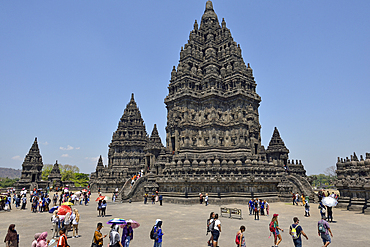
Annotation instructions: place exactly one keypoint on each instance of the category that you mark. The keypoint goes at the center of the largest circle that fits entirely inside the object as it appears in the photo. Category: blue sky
(68, 68)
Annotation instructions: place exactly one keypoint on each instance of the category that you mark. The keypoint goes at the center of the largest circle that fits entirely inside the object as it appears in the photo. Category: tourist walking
(62, 242)
(250, 206)
(330, 213)
(153, 198)
(34, 242)
(210, 226)
(67, 223)
(275, 229)
(103, 208)
(256, 210)
(267, 205)
(323, 230)
(56, 223)
(296, 231)
(42, 241)
(114, 238)
(206, 199)
(98, 236)
(307, 209)
(11, 238)
(200, 198)
(127, 234)
(24, 202)
(160, 199)
(75, 219)
(262, 206)
(240, 239)
(216, 230)
(99, 207)
(322, 209)
(158, 233)
(145, 198)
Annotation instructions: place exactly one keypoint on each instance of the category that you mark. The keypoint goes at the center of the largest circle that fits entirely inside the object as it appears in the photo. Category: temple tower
(277, 149)
(31, 168)
(128, 141)
(212, 104)
(55, 178)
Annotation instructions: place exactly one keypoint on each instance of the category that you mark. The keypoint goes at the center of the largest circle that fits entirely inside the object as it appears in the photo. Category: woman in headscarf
(41, 241)
(11, 238)
(34, 242)
(114, 238)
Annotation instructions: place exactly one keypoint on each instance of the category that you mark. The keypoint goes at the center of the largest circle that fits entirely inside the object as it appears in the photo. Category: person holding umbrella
(127, 234)
(114, 238)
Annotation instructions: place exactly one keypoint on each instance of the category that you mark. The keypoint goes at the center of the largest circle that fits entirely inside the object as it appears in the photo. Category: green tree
(46, 169)
(8, 182)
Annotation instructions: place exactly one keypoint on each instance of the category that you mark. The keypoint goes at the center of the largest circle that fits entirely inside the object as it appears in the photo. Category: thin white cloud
(65, 155)
(69, 147)
(45, 143)
(77, 148)
(17, 158)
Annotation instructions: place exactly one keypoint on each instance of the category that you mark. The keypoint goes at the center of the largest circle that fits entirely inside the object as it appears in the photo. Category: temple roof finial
(209, 6)
(132, 97)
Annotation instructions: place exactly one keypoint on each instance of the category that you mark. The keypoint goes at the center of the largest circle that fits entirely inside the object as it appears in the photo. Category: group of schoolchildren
(257, 207)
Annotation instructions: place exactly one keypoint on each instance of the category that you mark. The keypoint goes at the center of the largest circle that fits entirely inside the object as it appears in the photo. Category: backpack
(322, 228)
(153, 233)
(294, 232)
(210, 226)
(237, 239)
(271, 226)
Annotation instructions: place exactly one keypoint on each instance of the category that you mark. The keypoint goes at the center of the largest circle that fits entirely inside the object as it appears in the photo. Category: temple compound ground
(184, 225)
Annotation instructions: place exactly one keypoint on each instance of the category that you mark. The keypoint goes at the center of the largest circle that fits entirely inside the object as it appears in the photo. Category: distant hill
(10, 172)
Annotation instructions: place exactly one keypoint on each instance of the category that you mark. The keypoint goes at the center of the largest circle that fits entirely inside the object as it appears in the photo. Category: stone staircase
(303, 185)
(127, 192)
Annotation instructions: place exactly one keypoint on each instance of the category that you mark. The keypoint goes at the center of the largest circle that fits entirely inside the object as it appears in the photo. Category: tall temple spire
(209, 18)
(100, 162)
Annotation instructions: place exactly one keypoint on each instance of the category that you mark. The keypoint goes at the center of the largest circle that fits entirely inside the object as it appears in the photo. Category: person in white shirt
(216, 230)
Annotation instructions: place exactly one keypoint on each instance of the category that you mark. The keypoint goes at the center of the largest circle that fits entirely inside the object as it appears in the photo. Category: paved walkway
(184, 225)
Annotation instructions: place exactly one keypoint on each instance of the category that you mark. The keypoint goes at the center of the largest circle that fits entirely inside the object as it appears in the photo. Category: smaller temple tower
(31, 168)
(55, 178)
(277, 149)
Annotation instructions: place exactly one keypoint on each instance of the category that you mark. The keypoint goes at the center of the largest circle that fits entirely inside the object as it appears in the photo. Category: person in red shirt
(62, 242)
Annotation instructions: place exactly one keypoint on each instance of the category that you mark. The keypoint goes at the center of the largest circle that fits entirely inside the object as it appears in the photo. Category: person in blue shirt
(296, 231)
(159, 234)
(250, 205)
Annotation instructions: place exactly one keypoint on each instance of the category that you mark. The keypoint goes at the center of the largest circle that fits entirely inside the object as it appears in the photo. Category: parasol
(134, 224)
(84, 190)
(117, 221)
(329, 201)
(64, 209)
(68, 203)
(101, 198)
(53, 209)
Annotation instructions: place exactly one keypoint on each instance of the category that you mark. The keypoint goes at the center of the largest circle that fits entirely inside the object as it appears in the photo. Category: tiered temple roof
(129, 140)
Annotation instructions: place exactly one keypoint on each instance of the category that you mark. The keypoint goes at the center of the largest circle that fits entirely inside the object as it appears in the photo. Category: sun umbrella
(68, 203)
(134, 224)
(64, 209)
(84, 190)
(100, 198)
(78, 192)
(329, 201)
(117, 221)
(53, 209)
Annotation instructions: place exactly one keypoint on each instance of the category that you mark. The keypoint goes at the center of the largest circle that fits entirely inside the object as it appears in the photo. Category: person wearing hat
(276, 233)
(98, 236)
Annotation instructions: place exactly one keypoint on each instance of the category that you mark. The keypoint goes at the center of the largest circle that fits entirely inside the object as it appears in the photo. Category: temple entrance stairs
(303, 186)
(127, 192)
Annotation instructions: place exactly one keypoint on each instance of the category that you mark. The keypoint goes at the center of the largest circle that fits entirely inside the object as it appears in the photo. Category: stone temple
(353, 183)
(213, 133)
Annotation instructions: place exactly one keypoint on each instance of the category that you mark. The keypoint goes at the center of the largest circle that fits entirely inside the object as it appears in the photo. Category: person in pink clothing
(42, 241)
(34, 242)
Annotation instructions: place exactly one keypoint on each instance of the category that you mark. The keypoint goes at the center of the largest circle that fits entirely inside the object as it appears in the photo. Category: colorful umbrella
(101, 198)
(64, 209)
(117, 221)
(329, 201)
(84, 190)
(134, 224)
(68, 203)
(53, 209)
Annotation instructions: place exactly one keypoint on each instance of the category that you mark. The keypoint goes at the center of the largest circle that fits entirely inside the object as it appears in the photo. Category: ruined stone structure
(213, 139)
(31, 169)
(55, 178)
(353, 183)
